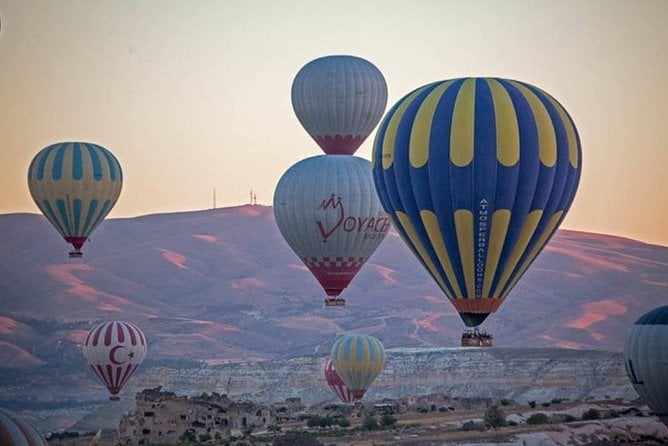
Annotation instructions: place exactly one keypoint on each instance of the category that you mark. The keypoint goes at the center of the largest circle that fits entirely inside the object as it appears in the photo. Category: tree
(591, 414)
(370, 423)
(494, 417)
(344, 423)
(537, 418)
(297, 439)
(388, 420)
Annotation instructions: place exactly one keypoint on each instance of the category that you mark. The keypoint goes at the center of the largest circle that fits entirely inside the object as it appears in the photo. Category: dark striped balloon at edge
(476, 175)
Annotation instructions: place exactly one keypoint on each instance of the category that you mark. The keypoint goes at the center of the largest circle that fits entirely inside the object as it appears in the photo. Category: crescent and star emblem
(112, 355)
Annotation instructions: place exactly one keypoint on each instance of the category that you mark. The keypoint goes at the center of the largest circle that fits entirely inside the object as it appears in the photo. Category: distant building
(163, 417)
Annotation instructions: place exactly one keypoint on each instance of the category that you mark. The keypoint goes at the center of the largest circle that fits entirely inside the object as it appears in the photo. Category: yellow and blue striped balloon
(75, 185)
(476, 175)
(358, 359)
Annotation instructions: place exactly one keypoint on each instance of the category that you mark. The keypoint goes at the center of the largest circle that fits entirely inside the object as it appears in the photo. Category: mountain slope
(223, 285)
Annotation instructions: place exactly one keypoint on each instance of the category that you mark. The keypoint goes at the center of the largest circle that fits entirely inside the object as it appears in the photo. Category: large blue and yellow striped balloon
(476, 175)
(358, 359)
(75, 185)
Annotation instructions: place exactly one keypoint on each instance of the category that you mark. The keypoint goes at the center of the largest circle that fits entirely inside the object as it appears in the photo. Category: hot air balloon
(337, 385)
(15, 431)
(328, 212)
(339, 101)
(358, 359)
(75, 185)
(476, 175)
(646, 360)
(114, 350)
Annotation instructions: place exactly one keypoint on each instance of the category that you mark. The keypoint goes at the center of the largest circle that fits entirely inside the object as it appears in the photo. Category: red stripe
(133, 336)
(141, 336)
(100, 374)
(129, 370)
(117, 382)
(108, 333)
(121, 332)
(98, 331)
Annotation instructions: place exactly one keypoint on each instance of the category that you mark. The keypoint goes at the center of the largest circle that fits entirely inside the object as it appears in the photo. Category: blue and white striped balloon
(358, 359)
(75, 185)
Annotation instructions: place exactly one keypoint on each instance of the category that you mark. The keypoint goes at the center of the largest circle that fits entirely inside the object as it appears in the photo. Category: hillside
(222, 284)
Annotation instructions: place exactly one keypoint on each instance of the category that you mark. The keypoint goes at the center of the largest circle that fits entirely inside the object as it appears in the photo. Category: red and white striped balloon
(114, 350)
(337, 385)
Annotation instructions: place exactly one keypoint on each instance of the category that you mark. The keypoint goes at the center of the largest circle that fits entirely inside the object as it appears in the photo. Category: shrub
(297, 439)
(494, 417)
(204, 437)
(512, 423)
(370, 423)
(319, 421)
(532, 404)
(344, 423)
(505, 402)
(388, 420)
(591, 414)
(546, 404)
(537, 418)
(556, 400)
(472, 426)
(569, 418)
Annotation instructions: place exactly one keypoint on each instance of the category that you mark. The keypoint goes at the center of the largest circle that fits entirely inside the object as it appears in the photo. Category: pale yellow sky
(195, 95)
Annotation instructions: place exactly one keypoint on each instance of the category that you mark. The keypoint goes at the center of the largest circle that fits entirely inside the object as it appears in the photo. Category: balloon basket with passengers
(476, 338)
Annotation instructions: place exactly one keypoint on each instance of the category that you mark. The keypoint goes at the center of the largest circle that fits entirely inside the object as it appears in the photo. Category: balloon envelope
(337, 385)
(358, 359)
(15, 431)
(339, 101)
(75, 185)
(646, 360)
(328, 212)
(114, 350)
(476, 175)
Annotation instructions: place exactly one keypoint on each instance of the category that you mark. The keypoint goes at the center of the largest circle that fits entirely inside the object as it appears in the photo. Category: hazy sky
(195, 95)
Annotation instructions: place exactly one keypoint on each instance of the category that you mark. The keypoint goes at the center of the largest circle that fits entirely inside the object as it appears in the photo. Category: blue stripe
(57, 170)
(106, 207)
(95, 159)
(402, 189)
(76, 207)
(373, 349)
(51, 216)
(359, 347)
(92, 206)
(43, 157)
(111, 162)
(441, 177)
(62, 210)
(658, 316)
(529, 167)
(551, 185)
(77, 164)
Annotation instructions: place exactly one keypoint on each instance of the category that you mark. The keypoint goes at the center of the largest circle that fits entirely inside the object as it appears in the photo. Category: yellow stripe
(464, 226)
(463, 118)
(418, 149)
(405, 223)
(573, 156)
(547, 140)
(497, 237)
(391, 129)
(507, 128)
(525, 236)
(430, 222)
(549, 230)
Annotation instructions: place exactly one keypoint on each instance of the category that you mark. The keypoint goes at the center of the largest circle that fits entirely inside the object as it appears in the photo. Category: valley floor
(619, 422)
